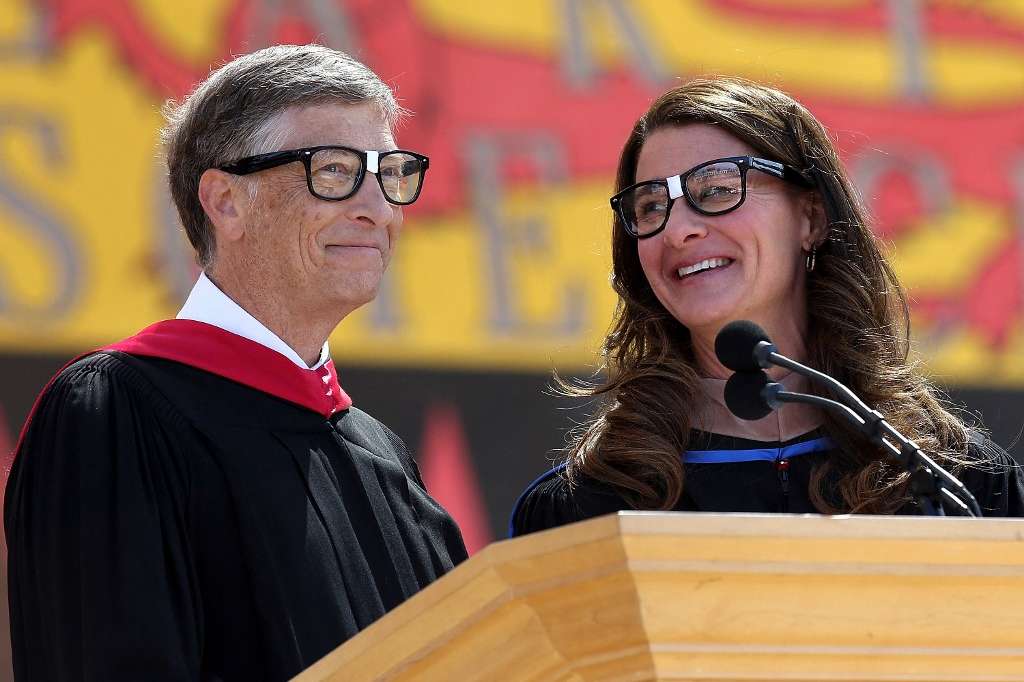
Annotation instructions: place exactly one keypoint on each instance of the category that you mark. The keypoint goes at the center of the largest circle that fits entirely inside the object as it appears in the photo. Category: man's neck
(304, 332)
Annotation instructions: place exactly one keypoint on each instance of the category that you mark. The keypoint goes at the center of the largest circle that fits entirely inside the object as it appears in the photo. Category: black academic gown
(167, 523)
(730, 474)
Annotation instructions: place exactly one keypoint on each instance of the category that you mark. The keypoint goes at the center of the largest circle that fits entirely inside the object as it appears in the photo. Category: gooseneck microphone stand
(932, 486)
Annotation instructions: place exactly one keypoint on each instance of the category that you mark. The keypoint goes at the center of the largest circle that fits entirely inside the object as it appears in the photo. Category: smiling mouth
(353, 246)
(703, 266)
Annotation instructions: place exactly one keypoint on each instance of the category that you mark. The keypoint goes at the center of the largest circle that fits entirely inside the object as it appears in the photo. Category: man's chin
(352, 291)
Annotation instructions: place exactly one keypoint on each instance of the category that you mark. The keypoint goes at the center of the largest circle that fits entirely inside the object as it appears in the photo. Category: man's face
(321, 257)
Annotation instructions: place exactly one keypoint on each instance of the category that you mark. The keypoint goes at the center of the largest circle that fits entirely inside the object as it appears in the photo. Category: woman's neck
(789, 336)
(783, 424)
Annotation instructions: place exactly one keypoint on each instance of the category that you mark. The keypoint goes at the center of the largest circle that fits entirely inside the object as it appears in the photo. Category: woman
(732, 204)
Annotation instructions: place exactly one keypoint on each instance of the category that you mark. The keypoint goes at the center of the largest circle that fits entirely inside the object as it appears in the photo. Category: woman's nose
(684, 224)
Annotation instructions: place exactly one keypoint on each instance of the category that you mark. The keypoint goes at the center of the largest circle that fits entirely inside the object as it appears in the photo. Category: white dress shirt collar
(207, 303)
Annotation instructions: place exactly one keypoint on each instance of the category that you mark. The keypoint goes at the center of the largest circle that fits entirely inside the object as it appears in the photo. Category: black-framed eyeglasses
(711, 188)
(334, 173)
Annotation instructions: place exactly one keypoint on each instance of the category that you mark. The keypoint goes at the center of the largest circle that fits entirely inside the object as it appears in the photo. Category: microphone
(751, 396)
(742, 346)
(745, 395)
(745, 348)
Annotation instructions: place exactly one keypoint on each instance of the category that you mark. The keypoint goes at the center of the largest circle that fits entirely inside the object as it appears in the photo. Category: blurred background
(501, 275)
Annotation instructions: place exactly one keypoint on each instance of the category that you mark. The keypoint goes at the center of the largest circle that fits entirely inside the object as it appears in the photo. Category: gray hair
(233, 112)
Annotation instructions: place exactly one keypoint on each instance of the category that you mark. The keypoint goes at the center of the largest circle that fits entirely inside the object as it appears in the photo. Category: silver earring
(811, 260)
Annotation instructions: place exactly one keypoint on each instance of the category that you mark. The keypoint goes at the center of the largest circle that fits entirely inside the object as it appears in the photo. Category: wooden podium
(673, 596)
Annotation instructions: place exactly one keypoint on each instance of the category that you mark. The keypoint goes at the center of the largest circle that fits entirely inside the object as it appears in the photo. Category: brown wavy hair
(858, 328)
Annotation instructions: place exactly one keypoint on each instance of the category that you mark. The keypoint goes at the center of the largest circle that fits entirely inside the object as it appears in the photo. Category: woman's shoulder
(982, 449)
(551, 501)
(993, 477)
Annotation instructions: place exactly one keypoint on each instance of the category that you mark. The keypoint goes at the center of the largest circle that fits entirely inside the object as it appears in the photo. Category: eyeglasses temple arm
(253, 164)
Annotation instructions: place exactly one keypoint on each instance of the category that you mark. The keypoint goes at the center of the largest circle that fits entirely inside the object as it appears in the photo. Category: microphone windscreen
(743, 395)
(735, 345)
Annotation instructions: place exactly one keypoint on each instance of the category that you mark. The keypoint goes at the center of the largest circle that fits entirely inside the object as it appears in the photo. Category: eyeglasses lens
(401, 176)
(334, 172)
(716, 188)
(644, 208)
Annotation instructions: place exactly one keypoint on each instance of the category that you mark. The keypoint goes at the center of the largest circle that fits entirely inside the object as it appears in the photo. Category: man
(201, 501)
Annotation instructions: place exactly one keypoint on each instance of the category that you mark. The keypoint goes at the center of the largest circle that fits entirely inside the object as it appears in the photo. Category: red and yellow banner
(523, 108)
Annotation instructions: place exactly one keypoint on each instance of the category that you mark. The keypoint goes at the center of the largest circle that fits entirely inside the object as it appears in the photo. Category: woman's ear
(225, 202)
(816, 222)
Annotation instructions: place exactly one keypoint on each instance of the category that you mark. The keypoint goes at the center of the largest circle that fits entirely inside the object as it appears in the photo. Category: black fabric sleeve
(993, 477)
(101, 580)
(549, 502)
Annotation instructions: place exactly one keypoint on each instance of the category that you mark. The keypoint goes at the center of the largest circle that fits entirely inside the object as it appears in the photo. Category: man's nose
(368, 203)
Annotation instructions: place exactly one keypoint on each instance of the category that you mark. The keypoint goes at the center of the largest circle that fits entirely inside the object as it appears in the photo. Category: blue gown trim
(757, 455)
(703, 457)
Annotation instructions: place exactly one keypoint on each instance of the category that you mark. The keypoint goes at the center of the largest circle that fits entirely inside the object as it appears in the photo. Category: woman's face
(755, 252)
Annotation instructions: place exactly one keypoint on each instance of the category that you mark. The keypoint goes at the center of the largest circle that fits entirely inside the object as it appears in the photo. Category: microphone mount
(930, 483)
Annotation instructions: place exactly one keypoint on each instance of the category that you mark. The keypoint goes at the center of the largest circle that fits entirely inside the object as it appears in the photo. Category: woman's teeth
(709, 264)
